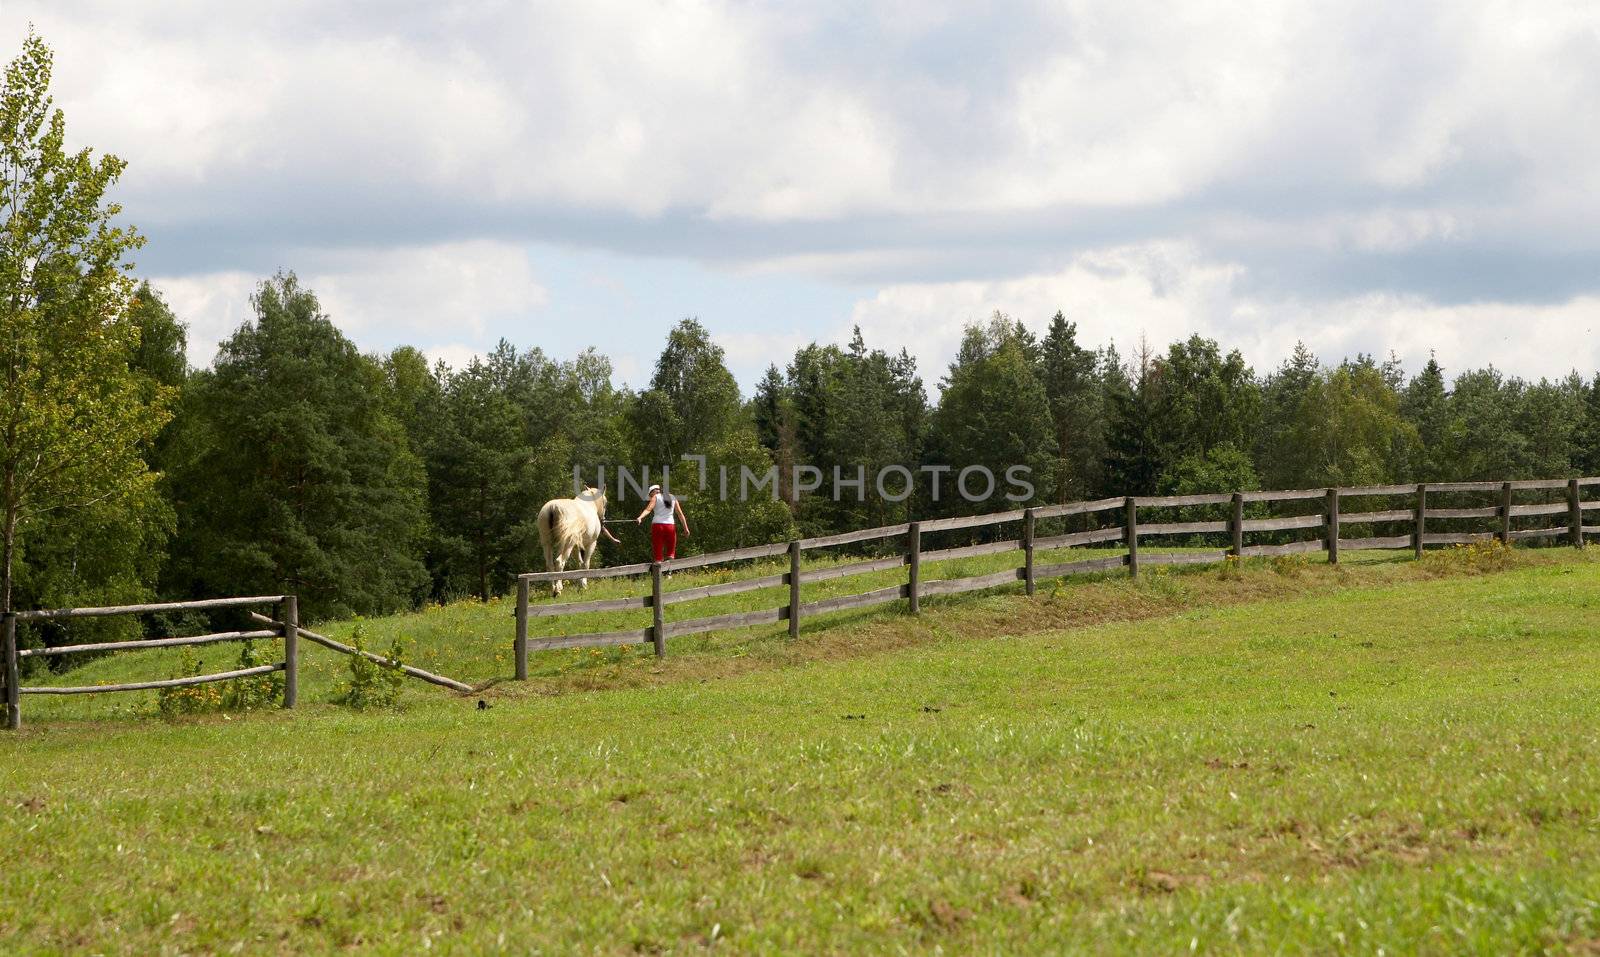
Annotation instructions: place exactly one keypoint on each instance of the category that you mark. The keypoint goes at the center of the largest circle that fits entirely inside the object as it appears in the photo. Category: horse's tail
(557, 526)
(548, 518)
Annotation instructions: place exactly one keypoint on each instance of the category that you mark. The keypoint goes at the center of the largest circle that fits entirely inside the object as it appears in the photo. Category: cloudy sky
(1361, 176)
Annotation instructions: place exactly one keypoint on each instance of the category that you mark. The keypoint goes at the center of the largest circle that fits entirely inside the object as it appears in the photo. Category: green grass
(1396, 756)
(472, 641)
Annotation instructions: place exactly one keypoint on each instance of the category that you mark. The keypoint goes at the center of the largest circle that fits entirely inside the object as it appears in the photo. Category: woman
(667, 510)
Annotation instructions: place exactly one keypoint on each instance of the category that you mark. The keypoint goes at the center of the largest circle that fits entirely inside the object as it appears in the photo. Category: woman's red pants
(664, 540)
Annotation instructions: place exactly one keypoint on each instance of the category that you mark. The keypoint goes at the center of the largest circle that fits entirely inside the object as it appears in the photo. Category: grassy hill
(472, 641)
(1392, 755)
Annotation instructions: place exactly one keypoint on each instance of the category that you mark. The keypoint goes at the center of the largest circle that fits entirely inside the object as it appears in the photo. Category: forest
(372, 483)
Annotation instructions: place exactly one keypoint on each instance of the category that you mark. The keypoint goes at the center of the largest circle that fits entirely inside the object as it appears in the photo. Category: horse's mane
(591, 494)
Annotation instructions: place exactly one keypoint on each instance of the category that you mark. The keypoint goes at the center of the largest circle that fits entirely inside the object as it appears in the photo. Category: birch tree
(74, 417)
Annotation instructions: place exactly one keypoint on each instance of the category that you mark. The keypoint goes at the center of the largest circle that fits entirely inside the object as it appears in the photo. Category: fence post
(1575, 513)
(1236, 525)
(13, 673)
(1131, 531)
(914, 566)
(794, 588)
(520, 647)
(291, 650)
(1333, 526)
(658, 623)
(1505, 513)
(1422, 511)
(1027, 550)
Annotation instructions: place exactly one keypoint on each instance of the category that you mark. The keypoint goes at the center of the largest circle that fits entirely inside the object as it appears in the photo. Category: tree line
(370, 483)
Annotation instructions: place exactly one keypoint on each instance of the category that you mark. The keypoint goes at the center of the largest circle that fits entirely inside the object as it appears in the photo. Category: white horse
(572, 524)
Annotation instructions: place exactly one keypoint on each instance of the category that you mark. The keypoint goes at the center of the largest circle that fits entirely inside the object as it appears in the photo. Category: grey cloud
(1367, 108)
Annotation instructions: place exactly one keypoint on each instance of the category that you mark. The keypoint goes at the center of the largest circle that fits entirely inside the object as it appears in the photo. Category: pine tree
(1549, 417)
(1483, 442)
(992, 412)
(1426, 405)
(414, 393)
(876, 408)
(1069, 373)
(767, 409)
(1284, 397)
(1203, 399)
(1133, 462)
(813, 388)
(302, 478)
(478, 481)
(1586, 458)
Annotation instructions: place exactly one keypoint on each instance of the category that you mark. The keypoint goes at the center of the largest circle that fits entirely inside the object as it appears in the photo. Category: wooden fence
(1126, 530)
(287, 628)
(1330, 521)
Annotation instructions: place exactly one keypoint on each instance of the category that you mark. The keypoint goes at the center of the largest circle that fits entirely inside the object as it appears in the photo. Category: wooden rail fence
(287, 628)
(1329, 520)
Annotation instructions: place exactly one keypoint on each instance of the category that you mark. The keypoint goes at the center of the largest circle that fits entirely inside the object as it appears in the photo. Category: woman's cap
(655, 488)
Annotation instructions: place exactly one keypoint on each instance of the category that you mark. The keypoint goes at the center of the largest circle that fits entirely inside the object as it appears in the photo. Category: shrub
(188, 699)
(1161, 581)
(372, 684)
(240, 694)
(1290, 566)
(1231, 568)
(258, 691)
(1483, 555)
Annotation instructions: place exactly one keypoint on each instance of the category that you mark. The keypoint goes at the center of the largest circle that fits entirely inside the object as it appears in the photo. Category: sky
(1361, 176)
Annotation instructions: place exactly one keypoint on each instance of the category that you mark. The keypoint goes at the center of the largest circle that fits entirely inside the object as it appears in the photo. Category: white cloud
(462, 287)
(1253, 170)
(757, 350)
(1532, 341)
(1142, 110)
(428, 296)
(748, 113)
(1115, 295)
(213, 305)
(456, 355)
(1167, 291)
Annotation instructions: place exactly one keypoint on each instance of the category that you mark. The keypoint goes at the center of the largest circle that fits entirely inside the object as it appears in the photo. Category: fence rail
(287, 628)
(1127, 530)
(201, 605)
(163, 683)
(148, 643)
(345, 649)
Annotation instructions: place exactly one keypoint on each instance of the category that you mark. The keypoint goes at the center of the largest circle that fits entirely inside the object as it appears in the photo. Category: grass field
(472, 641)
(1390, 756)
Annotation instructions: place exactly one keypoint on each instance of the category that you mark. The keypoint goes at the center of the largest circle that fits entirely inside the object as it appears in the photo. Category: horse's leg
(588, 556)
(561, 564)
